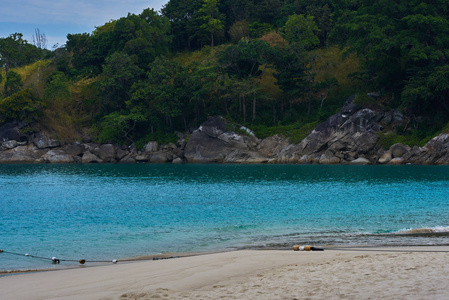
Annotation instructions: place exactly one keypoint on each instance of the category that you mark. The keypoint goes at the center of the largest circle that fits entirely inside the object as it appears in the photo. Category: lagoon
(114, 211)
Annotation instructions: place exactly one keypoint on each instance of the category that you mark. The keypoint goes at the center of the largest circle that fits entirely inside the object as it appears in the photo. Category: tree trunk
(244, 111)
(254, 106)
(226, 107)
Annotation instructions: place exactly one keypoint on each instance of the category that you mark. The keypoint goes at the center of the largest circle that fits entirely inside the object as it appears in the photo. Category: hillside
(274, 66)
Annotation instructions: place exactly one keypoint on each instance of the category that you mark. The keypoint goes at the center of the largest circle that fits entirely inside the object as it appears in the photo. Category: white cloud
(81, 12)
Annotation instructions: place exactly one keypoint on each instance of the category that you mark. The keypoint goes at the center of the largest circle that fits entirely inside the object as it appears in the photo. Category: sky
(57, 18)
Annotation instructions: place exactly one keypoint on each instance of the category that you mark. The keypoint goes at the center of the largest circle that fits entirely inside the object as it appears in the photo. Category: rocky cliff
(348, 137)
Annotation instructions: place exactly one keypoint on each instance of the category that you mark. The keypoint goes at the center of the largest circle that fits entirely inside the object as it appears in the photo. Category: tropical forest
(273, 66)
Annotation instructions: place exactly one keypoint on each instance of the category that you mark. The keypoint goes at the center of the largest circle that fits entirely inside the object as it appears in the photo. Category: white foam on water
(436, 229)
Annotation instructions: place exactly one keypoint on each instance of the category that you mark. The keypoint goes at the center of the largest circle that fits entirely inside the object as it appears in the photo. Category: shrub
(21, 106)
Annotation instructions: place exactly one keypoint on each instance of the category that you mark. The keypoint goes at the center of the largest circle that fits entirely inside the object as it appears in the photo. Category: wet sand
(250, 274)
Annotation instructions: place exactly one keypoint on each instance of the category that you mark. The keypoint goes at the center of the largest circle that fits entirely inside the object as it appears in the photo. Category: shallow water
(105, 212)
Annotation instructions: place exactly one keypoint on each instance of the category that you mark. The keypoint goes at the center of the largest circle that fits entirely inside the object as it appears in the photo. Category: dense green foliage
(22, 106)
(267, 64)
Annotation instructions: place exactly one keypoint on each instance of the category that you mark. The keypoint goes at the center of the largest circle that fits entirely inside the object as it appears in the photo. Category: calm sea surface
(105, 212)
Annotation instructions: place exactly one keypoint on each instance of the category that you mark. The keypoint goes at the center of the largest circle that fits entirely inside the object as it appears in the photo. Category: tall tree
(180, 13)
(16, 52)
(120, 72)
(292, 72)
(212, 19)
(301, 29)
(247, 61)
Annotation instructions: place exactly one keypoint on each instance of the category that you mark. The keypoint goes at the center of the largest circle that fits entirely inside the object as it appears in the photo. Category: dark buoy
(82, 261)
(55, 260)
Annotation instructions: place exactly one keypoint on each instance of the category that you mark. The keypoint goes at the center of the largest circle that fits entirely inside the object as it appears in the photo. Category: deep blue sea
(113, 211)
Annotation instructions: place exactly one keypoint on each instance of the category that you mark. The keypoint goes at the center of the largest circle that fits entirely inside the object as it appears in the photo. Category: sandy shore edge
(251, 274)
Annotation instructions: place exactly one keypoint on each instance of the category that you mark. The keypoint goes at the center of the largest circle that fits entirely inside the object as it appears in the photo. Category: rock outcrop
(213, 143)
(343, 138)
(349, 137)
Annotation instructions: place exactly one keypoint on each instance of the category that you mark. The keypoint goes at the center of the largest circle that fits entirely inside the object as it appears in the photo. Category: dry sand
(249, 275)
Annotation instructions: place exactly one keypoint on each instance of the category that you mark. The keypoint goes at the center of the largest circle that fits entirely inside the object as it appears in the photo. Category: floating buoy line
(82, 261)
(55, 260)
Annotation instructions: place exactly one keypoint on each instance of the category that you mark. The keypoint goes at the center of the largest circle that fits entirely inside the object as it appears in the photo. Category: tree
(238, 31)
(39, 39)
(161, 93)
(13, 83)
(244, 61)
(301, 29)
(142, 37)
(180, 13)
(16, 52)
(211, 19)
(292, 73)
(399, 42)
(57, 88)
(120, 72)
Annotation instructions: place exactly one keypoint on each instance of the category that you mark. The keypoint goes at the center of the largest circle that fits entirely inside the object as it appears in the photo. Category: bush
(13, 83)
(412, 139)
(21, 106)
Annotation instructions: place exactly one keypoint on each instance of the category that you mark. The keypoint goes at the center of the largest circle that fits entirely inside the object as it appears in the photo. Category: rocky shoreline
(348, 137)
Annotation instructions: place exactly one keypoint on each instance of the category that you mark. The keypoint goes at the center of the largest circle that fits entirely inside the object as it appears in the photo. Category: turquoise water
(105, 212)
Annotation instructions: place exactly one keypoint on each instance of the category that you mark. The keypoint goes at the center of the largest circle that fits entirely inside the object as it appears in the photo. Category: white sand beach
(249, 274)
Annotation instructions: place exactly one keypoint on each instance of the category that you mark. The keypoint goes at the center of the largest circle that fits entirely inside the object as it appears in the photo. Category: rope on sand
(55, 260)
(373, 249)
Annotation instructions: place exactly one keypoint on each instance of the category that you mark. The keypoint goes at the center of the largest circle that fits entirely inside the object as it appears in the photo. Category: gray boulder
(397, 161)
(177, 161)
(272, 146)
(121, 153)
(42, 141)
(74, 150)
(204, 146)
(9, 144)
(151, 147)
(245, 157)
(57, 156)
(398, 150)
(128, 159)
(21, 154)
(385, 158)
(89, 157)
(329, 158)
(360, 161)
(106, 152)
(160, 157)
(142, 158)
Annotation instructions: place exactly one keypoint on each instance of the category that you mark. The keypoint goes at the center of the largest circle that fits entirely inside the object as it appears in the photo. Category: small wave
(437, 229)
